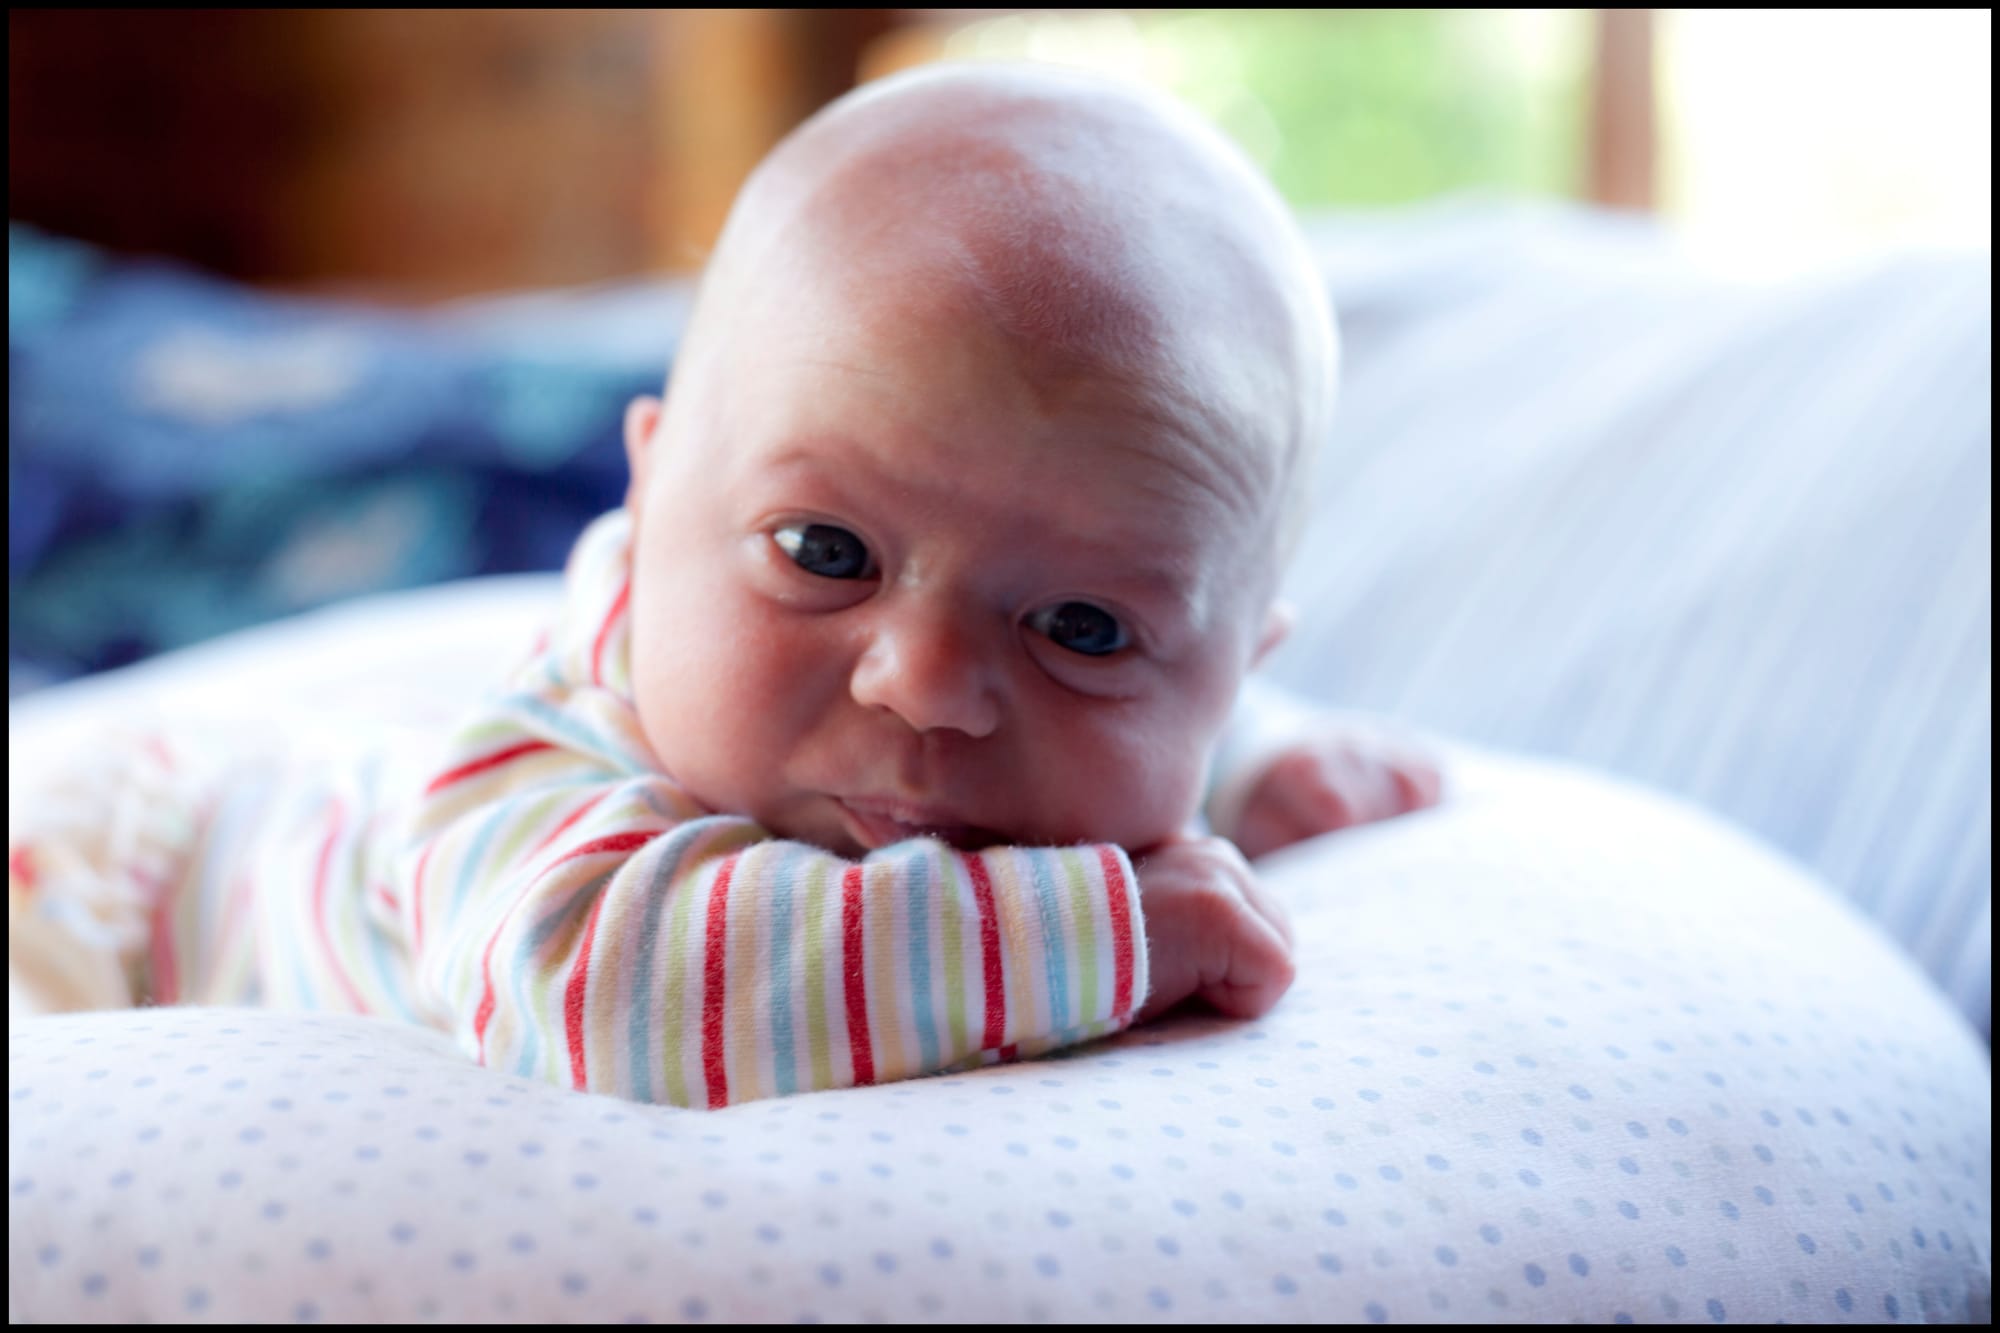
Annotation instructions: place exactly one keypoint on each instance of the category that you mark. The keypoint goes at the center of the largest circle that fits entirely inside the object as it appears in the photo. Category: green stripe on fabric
(951, 898)
(815, 933)
(675, 1000)
(1083, 913)
(531, 819)
(485, 731)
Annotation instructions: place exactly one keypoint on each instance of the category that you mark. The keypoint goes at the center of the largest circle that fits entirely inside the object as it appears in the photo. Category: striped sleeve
(573, 932)
(571, 914)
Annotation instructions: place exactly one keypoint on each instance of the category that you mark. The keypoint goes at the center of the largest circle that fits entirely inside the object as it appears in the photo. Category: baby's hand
(1211, 929)
(1334, 780)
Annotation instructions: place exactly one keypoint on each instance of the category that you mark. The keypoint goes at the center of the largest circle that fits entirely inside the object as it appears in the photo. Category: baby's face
(888, 582)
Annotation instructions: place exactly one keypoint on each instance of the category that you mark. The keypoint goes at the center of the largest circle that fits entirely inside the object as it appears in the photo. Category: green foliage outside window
(1351, 107)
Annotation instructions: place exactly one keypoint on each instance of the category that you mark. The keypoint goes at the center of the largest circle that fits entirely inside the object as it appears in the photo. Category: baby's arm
(594, 934)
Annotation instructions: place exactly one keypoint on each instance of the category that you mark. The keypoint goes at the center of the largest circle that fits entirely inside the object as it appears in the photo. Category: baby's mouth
(879, 821)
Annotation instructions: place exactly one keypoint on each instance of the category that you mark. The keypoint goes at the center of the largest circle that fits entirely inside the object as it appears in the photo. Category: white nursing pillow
(1559, 1049)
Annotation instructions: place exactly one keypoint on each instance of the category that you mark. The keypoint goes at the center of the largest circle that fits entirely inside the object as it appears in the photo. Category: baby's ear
(642, 422)
(1278, 622)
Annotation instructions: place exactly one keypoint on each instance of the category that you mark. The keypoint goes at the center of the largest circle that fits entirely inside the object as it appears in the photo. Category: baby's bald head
(965, 508)
(1099, 231)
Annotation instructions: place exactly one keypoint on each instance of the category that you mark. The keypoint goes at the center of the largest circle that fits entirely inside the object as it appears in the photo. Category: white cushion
(1560, 1049)
(1731, 540)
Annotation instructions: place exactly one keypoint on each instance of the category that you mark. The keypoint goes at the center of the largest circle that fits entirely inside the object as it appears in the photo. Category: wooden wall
(417, 154)
(409, 154)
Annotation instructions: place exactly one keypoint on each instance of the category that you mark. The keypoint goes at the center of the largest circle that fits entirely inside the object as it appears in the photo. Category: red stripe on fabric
(715, 978)
(388, 898)
(480, 765)
(1121, 932)
(617, 842)
(610, 842)
(853, 968)
(159, 751)
(568, 820)
(236, 918)
(326, 944)
(573, 994)
(989, 953)
(21, 865)
(604, 630)
(1010, 1052)
(484, 1014)
(166, 984)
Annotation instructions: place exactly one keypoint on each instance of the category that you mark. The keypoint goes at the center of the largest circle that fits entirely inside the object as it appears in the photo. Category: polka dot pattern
(1559, 1051)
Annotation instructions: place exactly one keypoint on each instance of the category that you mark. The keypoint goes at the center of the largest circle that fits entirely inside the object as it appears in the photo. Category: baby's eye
(822, 549)
(1081, 628)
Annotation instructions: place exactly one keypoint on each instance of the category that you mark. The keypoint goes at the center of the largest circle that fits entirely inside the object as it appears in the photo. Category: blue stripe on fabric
(1057, 952)
(475, 854)
(392, 979)
(784, 1059)
(577, 736)
(921, 996)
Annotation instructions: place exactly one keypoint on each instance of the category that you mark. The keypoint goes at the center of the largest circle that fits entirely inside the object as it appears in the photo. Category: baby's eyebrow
(1164, 583)
(1171, 595)
(851, 367)
(1161, 587)
(807, 452)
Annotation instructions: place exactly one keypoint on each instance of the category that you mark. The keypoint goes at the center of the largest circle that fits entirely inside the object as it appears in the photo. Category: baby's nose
(931, 668)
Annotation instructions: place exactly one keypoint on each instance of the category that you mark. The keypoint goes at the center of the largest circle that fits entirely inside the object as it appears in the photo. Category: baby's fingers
(1325, 790)
(1268, 905)
(1255, 975)
(1419, 778)
(1255, 950)
(1354, 784)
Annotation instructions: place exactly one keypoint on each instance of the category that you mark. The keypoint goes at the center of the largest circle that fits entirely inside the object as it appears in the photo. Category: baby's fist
(1334, 780)
(1212, 930)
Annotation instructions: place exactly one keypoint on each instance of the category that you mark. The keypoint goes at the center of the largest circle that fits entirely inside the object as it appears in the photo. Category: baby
(871, 736)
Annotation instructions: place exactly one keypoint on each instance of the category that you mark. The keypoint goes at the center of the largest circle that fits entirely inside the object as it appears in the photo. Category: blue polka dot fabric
(1559, 1050)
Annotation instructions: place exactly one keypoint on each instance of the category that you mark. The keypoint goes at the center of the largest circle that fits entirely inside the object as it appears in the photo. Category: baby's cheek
(658, 691)
(1143, 781)
(687, 694)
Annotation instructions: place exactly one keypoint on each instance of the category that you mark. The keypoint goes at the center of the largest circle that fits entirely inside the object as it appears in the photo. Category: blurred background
(1666, 430)
(416, 154)
(406, 159)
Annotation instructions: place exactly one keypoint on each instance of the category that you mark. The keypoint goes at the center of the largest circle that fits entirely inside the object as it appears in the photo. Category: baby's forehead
(1097, 232)
(1084, 220)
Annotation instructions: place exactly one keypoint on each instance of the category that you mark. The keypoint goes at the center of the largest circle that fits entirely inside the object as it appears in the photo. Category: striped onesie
(544, 893)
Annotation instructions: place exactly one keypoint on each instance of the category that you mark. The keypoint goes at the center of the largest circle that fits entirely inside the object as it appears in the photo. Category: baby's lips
(881, 822)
